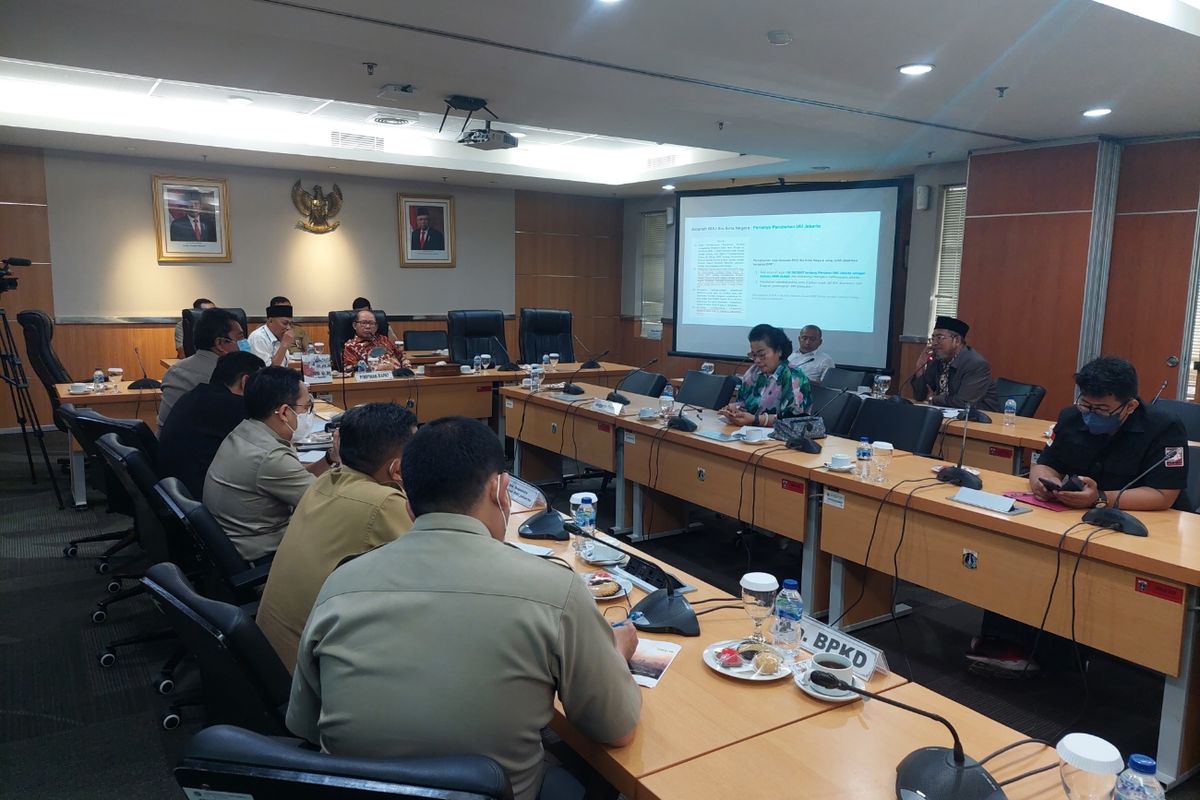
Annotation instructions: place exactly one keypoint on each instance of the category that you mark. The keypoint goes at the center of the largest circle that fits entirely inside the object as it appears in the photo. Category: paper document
(651, 660)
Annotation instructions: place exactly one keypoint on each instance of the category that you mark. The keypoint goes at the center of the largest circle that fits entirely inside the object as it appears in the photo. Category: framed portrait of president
(426, 226)
(191, 219)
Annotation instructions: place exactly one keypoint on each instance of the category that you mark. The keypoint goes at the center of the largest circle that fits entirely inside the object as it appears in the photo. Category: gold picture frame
(191, 219)
(426, 227)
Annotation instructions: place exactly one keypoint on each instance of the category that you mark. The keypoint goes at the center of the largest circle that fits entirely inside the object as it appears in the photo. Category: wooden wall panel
(1159, 176)
(1022, 290)
(1050, 179)
(23, 178)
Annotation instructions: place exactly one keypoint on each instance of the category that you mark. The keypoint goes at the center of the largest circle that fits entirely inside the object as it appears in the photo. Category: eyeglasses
(757, 355)
(228, 339)
(1099, 411)
(941, 337)
(304, 409)
(368, 323)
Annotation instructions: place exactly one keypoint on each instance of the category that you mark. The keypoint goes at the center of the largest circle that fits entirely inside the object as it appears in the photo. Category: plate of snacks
(606, 586)
(746, 660)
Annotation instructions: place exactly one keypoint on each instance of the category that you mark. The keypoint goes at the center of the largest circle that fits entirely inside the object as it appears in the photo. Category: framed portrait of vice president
(426, 227)
(191, 219)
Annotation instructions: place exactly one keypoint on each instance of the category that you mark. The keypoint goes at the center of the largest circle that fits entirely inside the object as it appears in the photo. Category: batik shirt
(785, 392)
(357, 350)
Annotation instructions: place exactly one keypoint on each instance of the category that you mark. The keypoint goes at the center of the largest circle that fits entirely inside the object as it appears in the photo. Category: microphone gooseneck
(956, 475)
(615, 395)
(569, 387)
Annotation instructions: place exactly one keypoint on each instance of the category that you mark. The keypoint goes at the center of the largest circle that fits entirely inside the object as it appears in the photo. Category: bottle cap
(1143, 764)
(790, 583)
(1090, 753)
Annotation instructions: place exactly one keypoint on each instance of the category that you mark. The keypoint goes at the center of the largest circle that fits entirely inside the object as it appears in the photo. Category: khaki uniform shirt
(254, 482)
(447, 641)
(343, 514)
(182, 377)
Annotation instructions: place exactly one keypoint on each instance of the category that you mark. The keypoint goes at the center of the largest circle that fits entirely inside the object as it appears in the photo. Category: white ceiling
(833, 97)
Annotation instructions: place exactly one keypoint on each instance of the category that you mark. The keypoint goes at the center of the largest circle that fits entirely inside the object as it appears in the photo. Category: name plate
(607, 406)
(378, 375)
(523, 494)
(864, 659)
(987, 500)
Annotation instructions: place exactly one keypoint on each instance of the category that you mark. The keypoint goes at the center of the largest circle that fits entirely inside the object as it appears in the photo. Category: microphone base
(681, 424)
(570, 388)
(617, 397)
(591, 363)
(804, 445)
(1117, 520)
(663, 612)
(509, 367)
(547, 524)
(957, 476)
(145, 383)
(974, 415)
(403, 372)
(931, 773)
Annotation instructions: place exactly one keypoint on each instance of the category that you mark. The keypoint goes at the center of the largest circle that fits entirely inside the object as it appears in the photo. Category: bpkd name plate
(864, 659)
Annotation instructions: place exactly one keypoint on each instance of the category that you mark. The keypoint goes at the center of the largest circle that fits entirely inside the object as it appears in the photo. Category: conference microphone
(932, 773)
(508, 365)
(663, 610)
(591, 363)
(1114, 518)
(570, 388)
(681, 423)
(956, 475)
(12, 261)
(1160, 391)
(615, 395)
(143, 382)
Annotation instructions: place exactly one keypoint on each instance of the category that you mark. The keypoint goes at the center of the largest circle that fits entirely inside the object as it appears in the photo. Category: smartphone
(1071, 484)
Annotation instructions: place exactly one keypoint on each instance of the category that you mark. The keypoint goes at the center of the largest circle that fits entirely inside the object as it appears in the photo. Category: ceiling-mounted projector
(487, 139)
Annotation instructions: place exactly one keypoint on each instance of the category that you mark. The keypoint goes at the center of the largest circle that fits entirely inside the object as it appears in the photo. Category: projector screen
(816, 254)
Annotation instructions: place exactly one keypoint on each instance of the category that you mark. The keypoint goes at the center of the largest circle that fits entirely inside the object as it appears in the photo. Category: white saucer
(800, 676)
(831, 468)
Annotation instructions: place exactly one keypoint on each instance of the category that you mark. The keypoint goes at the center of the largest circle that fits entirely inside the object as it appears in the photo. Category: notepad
(651, 660)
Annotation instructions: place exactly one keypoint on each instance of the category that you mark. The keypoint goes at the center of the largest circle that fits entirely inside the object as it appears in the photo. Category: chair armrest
(255, 576)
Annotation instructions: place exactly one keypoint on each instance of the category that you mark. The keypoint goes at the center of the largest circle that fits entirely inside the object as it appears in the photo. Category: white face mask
(304, 426)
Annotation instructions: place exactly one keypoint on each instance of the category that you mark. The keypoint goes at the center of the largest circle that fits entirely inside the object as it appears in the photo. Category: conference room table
(702, 731)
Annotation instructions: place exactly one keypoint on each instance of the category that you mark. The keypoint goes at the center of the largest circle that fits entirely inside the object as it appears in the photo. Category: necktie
(196, 227)
(422, 240)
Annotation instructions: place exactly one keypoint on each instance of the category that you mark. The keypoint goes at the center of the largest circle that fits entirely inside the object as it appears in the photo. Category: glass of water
(554, 357)
(485, 360)
(535, 375)
(707, 367)
(882, 384)
(758, 598)
(881, 456)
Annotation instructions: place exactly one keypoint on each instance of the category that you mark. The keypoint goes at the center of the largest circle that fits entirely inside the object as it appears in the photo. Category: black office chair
(39, 335)
(341, 330)
(117, 499)
(839, 409)
(906, 426)
(1027, 395)
(418, 341)
(231, 760)
(1188, 413)
(838, 378)
(475, 332)
(545, 330)
(231, 576)
(192, 315)
(244, 681)
(706, 391)
(650, 384)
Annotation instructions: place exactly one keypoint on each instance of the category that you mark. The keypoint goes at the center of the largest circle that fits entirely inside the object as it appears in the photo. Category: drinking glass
(485, 360)
(554, 357)
(882, 384)
(318, 347)
(665, 403)
(115, 376)
(881, 454)
(758, 598)
(707, 367)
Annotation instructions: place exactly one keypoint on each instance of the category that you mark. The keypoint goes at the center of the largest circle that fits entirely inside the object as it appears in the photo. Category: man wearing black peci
(1106, 440)
(952, 374)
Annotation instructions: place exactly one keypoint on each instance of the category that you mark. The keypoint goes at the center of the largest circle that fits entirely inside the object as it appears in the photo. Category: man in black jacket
(202, 419)
(951, 374)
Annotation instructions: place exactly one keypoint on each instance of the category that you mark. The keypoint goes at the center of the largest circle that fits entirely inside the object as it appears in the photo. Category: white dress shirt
(814, 365)
(263, 343)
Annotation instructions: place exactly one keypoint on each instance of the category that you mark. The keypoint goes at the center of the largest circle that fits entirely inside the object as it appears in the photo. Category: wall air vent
(355, 141)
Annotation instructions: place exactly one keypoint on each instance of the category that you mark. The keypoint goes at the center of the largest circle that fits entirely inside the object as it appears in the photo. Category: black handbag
(807, 427)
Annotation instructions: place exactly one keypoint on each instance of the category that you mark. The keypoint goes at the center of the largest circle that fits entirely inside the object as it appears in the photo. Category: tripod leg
(23, 408)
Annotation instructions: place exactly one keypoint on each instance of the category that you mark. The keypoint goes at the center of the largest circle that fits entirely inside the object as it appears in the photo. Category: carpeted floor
(70, 728)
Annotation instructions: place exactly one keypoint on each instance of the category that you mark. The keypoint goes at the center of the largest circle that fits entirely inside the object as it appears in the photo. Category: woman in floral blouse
(770, 388)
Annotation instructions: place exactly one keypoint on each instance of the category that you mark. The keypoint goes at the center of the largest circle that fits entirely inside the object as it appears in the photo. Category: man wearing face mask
(1106, 439)
(347, 511)
(217, 332)
(256, 478)
(470, 638)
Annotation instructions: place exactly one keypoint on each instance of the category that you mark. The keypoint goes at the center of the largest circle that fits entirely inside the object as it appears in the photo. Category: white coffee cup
(839, 460)
(647, 413)
(80, 388)
(466, 369)
(836, 665)
(526, 383)
(755, 435)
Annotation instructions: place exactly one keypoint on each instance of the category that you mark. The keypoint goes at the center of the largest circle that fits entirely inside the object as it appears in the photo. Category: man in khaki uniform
(347, 511)
(448, 641)
(256, 478)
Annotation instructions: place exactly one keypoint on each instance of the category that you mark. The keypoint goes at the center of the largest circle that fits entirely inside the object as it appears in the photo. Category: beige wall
(105, 262)
(923, 245)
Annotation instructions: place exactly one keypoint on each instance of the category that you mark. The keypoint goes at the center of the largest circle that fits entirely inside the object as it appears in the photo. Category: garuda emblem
(319, 207)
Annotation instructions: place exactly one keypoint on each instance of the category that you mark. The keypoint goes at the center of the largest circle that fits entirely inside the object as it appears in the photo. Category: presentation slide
(789, 258)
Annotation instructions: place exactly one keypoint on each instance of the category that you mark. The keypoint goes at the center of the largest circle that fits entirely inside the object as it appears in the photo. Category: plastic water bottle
(1138, 781)
(1010, 412)
(786, 628)
(583, 507)
(310, 350)
(535, 376)
(546, 363)
(478, 364)
(863, 455)
(361, 366)
(666, 400)
(98, 380)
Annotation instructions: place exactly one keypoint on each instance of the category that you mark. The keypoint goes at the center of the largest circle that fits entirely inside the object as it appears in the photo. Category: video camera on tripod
(7, 282)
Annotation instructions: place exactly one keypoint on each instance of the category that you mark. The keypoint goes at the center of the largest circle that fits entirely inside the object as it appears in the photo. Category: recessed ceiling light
(518, 135)
(1097, 112)
(668, 187)
(238, 100)
(915, 69)
(779, 38)
(610, 1)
